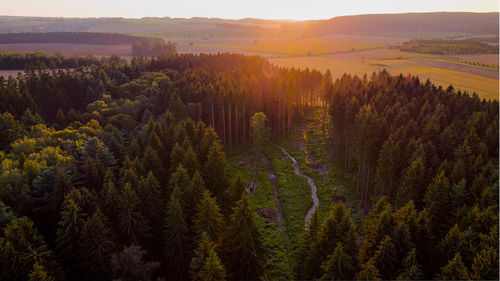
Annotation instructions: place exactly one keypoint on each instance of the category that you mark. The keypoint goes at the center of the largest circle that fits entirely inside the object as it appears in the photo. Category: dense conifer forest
(118, 171)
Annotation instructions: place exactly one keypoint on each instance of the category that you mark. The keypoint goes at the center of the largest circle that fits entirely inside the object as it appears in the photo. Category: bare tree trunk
(213, 119)
(230, 129)
(224, 122)
(236, 124)
(244, 126)
(284, 111)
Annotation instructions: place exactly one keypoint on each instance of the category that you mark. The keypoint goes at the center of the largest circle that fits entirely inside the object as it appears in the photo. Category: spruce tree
(454, 270)
(208, 217)
(175, 240)
(485, 264)
(200, 255)
(98, 244)
(131, 223)
(411, 269)
(214, 172)
(69, 246)
(385, 258)
(437, 201)
(213, 270)
(338, 266)
(190, 161)
(39, 274)
(368, 272)
(241, 244)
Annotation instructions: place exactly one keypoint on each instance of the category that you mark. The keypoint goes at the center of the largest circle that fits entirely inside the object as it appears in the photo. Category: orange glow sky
(235, 9)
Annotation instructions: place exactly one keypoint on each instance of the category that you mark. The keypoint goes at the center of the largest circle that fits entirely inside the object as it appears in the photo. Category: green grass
(279, 261)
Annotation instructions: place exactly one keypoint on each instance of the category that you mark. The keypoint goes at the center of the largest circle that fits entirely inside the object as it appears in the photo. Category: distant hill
(445, 22)
(74, 37)
(410, 24)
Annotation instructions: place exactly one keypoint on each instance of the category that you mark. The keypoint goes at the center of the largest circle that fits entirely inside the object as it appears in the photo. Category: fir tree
(40, 274)
(175, 240)
(338, 266)
(208, 217)
(368, 272)
(213, 270)
(131, 222)
(200, 255)
(385, 258)
(411, 269)
(454, 270)
(241, 243)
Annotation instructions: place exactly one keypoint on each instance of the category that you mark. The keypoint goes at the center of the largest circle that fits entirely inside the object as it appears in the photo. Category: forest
(116, 170)
(449, 47)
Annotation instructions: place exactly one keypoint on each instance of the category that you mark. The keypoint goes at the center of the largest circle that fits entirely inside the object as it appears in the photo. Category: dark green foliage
(23, 251)
(411, 269)
(201, 254)
(368, 272)
(208, 217)
(241, 244)
(39, 274)
(129, 265)
(176, 242)
(339, 265)
(454, 270)
(131, 224)
(212, 270)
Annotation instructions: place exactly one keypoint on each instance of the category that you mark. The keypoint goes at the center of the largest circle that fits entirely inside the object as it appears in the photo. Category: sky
(235, 9)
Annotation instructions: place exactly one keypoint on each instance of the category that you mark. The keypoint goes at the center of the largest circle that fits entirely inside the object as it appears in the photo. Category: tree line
(449, 47)
(428, 157)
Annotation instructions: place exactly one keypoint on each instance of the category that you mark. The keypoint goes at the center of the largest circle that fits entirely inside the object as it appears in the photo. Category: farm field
(463, 77)
(69, 49)
(490, 59)
(310, 46)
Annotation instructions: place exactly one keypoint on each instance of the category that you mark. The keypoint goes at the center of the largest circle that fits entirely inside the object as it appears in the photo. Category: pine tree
(412, 184)
(129, 265)
(98, 244)
(241, 243)
(213, 270)
(308, 259)
(454, 270)
(411, 269)
(385, 258)
(21, 248)
(190, 161)
(368, 272)
(437, 201)
(208, 217)
(69, 247)
(131, 223)
(485, 265)
(200, 255)
(175, 240)
(179, 179)
(338, 266)
(40, 274)
(176, 157)
(111, 197)
(451, 244)
(214, 172)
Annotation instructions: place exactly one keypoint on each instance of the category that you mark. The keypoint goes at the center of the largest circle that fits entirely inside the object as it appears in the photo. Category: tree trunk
(224, 122)
(230, 129)
(236, 124)
(213, 119)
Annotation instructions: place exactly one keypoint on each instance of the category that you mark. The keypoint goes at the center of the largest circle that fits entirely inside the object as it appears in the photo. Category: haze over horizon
(227, 9)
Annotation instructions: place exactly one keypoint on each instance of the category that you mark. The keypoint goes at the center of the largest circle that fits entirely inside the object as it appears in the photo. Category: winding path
(311, 183)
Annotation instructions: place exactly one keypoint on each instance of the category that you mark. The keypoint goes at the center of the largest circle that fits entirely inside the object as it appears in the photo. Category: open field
(463, 77)
(491, 59)
(310, 46)
(69, 49)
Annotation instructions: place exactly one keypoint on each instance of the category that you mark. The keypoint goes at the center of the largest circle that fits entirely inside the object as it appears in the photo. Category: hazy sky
(235, 9)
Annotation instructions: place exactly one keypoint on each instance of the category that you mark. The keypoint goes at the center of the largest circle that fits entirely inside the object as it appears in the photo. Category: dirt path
(311, 183)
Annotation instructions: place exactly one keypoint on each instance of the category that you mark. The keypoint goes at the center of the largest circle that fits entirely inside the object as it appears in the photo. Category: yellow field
(310, 46)
(395, 62)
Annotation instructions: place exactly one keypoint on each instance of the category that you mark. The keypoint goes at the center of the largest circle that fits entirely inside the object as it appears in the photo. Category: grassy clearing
(279, 262)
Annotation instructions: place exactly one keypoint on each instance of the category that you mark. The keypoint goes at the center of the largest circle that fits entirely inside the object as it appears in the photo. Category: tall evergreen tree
(213, 270)
(200, 255)
(454, 270)
(176, 241)
(338, 266)
(208, 217)
(241, 244)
